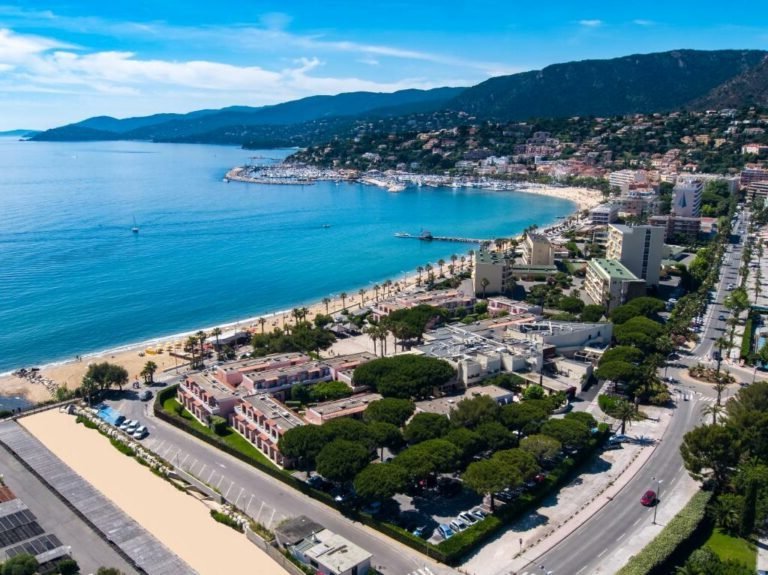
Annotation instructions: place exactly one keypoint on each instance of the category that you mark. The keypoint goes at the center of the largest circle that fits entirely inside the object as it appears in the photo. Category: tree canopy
(526, 417)
(379, 482)
(303, 443)
(404, 376)
(106, 375)
(426, 426)
(471, 412)
(431, 456)
(639, 332)
(341, 460)
(543, 447)
(569, 432)
(709, 452)
(22, 564)
(389, 410)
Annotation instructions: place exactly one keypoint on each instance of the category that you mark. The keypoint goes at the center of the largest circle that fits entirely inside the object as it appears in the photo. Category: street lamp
(658, 497)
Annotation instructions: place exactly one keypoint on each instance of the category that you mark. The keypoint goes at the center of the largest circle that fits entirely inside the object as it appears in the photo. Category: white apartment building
(537, 250)
(610, 284)
(686, 201)
(638, 248)
(604, 214)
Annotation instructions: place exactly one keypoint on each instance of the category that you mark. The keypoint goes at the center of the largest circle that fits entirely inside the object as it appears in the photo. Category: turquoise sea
(75, 280)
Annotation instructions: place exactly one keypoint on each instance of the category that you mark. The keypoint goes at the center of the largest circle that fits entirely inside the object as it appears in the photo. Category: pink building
(501, 304)
(203, 396)
(448, 299)
(263, 420)
(343, 366)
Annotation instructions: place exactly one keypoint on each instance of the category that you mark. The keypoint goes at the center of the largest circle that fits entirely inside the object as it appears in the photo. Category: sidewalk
(563, 513)
(762, 555)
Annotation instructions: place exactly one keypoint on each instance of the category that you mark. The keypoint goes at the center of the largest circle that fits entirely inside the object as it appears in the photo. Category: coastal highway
(266, 498)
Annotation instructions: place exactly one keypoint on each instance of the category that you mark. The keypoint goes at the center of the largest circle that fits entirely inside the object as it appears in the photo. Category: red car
(648, 498)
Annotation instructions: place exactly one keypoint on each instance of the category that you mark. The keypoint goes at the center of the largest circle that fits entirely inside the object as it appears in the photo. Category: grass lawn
(736, 548)
(230, 437)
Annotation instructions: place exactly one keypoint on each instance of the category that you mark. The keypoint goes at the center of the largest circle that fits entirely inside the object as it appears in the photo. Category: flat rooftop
(444, 405)
(283, 418)
(341, 362)
(336, 552)
(263, 363)
(211, 385)
(613, 269)
(288, 370)
(354, 402)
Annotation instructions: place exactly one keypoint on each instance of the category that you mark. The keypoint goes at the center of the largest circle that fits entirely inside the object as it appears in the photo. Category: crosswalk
(694, 396)
(422, 571)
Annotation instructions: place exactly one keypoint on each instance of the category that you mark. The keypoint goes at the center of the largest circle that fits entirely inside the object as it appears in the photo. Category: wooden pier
(431, 238)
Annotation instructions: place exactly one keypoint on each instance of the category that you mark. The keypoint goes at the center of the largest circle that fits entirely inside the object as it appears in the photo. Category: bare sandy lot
(183, 524)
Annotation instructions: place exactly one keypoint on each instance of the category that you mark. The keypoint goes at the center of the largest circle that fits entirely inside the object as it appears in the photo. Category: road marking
(602, 552)
(259, 513)
(220, 480)
(249, 504)
(226, 496)
(638, 521)
(622, 536)
(184, 460)
(580, 570)
(213, 471)
(239, 496)
(271, 518)
(222, 466)
(200, 473)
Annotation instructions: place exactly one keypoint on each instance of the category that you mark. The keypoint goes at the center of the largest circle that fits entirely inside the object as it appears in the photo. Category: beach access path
(165, 530)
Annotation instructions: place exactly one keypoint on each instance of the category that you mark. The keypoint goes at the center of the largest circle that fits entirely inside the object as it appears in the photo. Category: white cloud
(591, 23)
(642, 22)
(38, 65)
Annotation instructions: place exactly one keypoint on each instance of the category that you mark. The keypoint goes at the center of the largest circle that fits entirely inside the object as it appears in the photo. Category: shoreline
(69, 372)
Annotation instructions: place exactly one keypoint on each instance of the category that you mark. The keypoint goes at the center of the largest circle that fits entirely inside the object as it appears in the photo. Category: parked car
(620, 439)
(649, 498)
(479, 513)
(420, 531)
(145, 395)
(140, 433)
(129, 425)
(671, 380)
(445, 531)
(458, 525)
(468, 518)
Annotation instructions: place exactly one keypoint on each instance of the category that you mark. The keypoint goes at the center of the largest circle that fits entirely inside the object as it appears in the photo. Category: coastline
(70, 372)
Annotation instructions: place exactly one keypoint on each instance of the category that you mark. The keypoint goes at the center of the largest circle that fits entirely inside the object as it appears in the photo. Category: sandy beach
(133, 358)
(181, 522)
(584, 198)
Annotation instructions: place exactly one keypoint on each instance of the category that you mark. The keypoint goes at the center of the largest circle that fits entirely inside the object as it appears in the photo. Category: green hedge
(746, 341)
(607, 403)
(656, 557)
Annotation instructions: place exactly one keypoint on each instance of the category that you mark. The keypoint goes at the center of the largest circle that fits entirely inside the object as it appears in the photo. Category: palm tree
(148, 373)
(454, 257)
(625, 412)
(388, 286)
(262, 321)
(721, 344)
(216, 332)
(440, 264)
(376, 290)
(715, 410)
(343, 296)
(190, 346)
(326, 301)
(484, 283)
(201, 337)
(361, 293)
(463, 260)
(372, 333)
(419, 270)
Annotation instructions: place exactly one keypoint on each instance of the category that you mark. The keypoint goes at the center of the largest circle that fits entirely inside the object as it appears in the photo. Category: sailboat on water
(135, 228)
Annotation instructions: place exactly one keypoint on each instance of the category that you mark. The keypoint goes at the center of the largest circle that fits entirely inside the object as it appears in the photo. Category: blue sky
(62, 61)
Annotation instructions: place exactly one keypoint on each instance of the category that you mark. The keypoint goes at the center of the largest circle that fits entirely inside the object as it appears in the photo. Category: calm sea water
(74, 279)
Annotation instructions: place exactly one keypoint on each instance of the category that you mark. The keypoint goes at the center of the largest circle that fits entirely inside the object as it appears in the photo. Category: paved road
(267, 499)
(624, 516)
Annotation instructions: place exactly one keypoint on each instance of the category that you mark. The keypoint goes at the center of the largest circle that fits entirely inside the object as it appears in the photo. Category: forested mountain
(646, 83)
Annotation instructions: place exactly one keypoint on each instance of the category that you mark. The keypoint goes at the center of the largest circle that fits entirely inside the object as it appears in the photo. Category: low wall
(198, 484)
